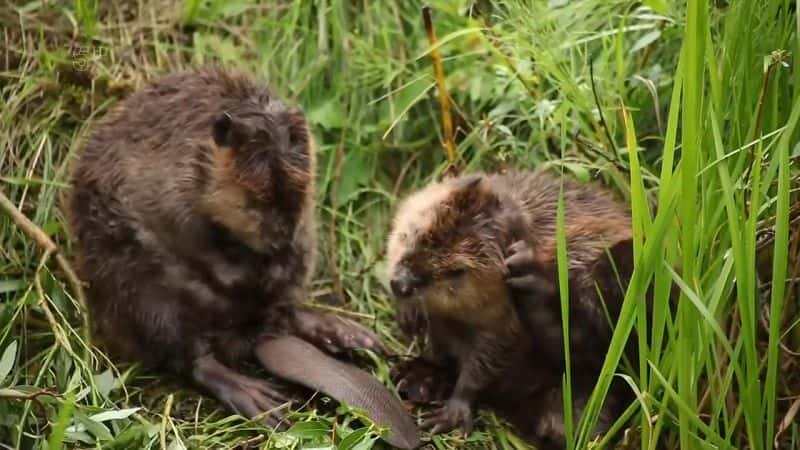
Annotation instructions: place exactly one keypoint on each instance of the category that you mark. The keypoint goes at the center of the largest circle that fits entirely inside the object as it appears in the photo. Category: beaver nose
(401, 288)
(403, 284)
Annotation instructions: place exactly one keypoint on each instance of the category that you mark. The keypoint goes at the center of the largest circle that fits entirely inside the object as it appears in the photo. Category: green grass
(700, 106)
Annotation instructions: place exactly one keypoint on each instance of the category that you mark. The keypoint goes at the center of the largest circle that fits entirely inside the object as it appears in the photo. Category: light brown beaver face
(261, 173)
(446, 249)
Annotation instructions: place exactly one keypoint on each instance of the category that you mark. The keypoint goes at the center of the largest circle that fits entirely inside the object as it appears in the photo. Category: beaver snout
(404, 284)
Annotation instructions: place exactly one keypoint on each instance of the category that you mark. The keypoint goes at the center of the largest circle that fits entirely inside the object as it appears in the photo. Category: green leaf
(405, 98)
(328, 115)
(212, 47)
(11, 285)
(104, 382)
(233, 8)
(366, 443)
(132, 437)
(176, 445)
(645, 40)
(355, 172)
(81, 394)
(309, 430)
(7, 360)
(114, 415)
(78, 436)
(96, 429)
(357, 440)
(284, 440)
(579, 171)
(659, 6)
(52, 227)
(191, 8)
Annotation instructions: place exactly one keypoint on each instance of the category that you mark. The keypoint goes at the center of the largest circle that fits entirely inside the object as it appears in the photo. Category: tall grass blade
(563, 282)
(779, 266)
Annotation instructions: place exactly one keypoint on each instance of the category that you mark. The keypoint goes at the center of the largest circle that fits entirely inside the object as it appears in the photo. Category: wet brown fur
(192, 210)
(503, 347)
(153, 191)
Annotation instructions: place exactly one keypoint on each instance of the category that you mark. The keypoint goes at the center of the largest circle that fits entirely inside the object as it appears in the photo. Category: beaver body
(472, 264)
(193, 213)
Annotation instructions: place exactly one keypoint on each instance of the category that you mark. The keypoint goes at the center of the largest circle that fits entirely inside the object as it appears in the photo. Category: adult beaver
(192, 205)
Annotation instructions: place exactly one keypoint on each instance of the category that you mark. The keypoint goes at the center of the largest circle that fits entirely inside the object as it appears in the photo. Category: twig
(787, 350)
(593, 150)
(51, 319)
(444, 101)
(252, 442)
(334, 260)
(787, 421)
(777, 58)
(766, 231)
(600, 110)
(15, 395)
(762, 95)
(164, 420)
(30, 228)
(403, 172)
(45, 243)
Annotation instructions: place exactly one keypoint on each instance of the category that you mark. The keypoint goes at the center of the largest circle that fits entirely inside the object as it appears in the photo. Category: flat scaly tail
(296, 360)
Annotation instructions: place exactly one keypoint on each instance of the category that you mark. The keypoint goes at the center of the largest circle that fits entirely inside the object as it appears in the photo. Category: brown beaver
(472, 265)
(192, 208)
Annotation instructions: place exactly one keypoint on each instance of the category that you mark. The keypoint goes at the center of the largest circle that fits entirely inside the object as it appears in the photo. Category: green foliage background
(700, 106)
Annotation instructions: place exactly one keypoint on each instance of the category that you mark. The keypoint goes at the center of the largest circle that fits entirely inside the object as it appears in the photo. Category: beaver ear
(225, 131)
(472, 195)
(621, 255)
(469, 182)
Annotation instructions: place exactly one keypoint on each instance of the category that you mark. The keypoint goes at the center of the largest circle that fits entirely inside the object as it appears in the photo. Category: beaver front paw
(455, 413)
(421, 382)
(526, 274)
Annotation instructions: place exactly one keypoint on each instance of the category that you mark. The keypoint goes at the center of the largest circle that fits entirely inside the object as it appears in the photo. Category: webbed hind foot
(249, 397)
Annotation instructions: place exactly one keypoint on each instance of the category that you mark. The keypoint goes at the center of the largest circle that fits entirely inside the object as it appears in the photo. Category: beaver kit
(192, 210)
(472, 265)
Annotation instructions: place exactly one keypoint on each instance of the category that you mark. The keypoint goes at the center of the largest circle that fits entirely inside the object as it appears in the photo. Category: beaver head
(446, 249)
(261, 172)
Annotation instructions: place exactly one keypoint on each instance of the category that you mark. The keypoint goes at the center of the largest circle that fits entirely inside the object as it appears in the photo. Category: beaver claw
(336, 334)
(455, 413)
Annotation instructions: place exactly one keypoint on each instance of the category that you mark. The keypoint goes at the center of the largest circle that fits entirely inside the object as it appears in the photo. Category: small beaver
(472, 264)
(192, 208)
